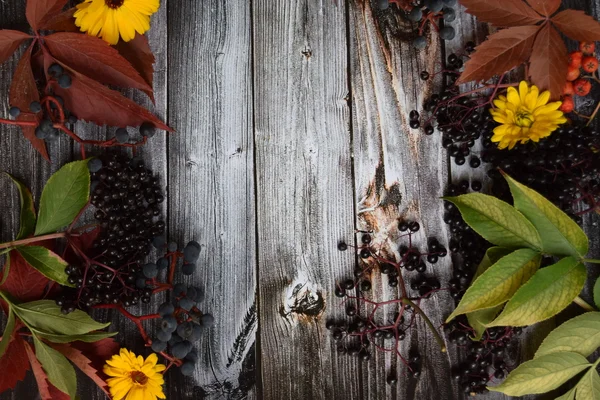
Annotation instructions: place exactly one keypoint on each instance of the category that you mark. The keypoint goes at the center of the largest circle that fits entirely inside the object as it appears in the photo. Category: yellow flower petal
(133, 377)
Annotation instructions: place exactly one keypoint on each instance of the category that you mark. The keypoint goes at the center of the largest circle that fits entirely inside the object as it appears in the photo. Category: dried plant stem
(34, 240)
(418, 310)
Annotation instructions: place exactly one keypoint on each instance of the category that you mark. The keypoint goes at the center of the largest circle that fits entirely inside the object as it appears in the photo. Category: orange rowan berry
(589, 64)
(568, 89)
(567, 104)
(575, 59)
(587, 47)
(573, 73)
(582, 87)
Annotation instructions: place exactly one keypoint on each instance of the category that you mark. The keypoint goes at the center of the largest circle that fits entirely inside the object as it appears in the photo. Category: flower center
(524, 118)
(138, 377)
(114, 4)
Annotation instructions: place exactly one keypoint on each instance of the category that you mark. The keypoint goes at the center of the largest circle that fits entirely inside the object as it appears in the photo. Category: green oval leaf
(46, 316)
(560, 234)
(8, 330)
(588, 387)
(579, 335)
(498, 283)
(497, 221)
(47, 262)
(597, 293)
(546, 294)
(65, 194)
(570, 395)
(59, 370)
(542, 374)
(88, 338)
(27, 223)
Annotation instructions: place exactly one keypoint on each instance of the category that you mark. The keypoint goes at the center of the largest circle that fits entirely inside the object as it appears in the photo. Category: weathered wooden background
(292, 132)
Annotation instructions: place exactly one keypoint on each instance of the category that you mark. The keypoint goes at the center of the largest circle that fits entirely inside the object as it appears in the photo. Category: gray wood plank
(211, 184)
(304, 195)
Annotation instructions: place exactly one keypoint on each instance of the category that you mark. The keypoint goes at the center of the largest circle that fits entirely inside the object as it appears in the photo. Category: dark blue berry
(163, 336)
(186, 303)
(188, 269)
(181, 349)
(162, 263)
(65, 81)
(166, 309)
(187, 368)
(207, 320)
(150, 270)
(95, 165)
(158, 346)
(55, 70)
(175, 338)
(185, 330)
(168, 324)
(122, 135)
(172, 246)
(35, 107)
(416, 14)
(14, 112)
(159, 242)
(447, 33)
(179, 289)
(147, 129)
(419, 43)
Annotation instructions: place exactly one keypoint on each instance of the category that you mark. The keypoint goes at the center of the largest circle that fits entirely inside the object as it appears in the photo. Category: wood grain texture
(304, 195)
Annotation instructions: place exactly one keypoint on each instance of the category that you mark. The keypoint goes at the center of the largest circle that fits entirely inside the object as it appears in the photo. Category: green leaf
(27, 209)
(546, 294)
(497, 221)
(560, 234)
(47, 262)
(60, 372)
(46, 316)
(597, 293)
(6, 269)
(491, 257)
(88, 338)
(580, 335)
(570, 395)
(65, 194)
(542, 374)
(588, 387)
(498, 284)
(8, 330)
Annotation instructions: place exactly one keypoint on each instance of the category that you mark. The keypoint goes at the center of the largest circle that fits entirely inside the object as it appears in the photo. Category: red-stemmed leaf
(46, 389)
(545, 7)
(138, 53)
(24, 282)
(98, 352)
(9, 41)
(500, 53)
(14, 364)
(63, 22)
(23, 90)
(548, 63)
(40, 11)
(502, 12)
(577, 25)
(96, 59)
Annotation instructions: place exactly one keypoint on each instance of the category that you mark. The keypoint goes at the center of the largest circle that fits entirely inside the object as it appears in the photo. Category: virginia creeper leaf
(544, 7)
(82, 362)
(46, 389)
(47, 262)
(498, 284)
(597, 293)
(9, 41)
(491, 257)
(577, 25)
(88, 337)
(546, 294)
(65, 194)
(46, 316)
(96, 59)
(138, 53)
(502, 13)
(59, 371)
(8, 331)
(23, 282)
(39, 11)
(497, 221)
(27, 220)
(542, 374)
(579, 335)
(547, 67)
(14, 364)
(588, 387)
(63, 22)
(562, 236)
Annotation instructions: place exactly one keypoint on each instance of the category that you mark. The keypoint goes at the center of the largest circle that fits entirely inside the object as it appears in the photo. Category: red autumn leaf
(84, 243)
(24, 282)
(46, 389)
(138, 53)
(501, 52)
(40, 11)
(98, 352)
(9, 41)
(502, 12)
(577, 25)
(14, 364)
(23, 90)
(548, 63)
(545, 7)
(96, 59)
(63, 22)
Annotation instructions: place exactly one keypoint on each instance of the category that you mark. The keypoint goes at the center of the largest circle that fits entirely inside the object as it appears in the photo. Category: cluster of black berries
(182, 324)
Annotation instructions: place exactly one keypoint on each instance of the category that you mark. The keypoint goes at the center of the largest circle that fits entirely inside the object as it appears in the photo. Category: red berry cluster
(583, 60)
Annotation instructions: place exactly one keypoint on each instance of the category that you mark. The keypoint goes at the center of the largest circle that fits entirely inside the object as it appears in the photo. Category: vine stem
(437, 336)
(591, 260)
(583, 304)
(593, 114)
(33, 240)
(18, 123)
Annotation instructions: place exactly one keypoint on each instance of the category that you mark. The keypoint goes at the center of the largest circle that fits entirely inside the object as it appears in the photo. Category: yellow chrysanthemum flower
(525, 115)
(110, 19)
(133, 378)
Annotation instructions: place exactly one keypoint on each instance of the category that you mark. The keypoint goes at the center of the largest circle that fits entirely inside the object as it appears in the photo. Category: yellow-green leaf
(546, 294)
(570, 395)
(579, 335)
(498, 283)
(88, 337)
(542, 374)
(588, 387)
(28, 218)
(497, 221)
(47, 262)
(560, 234)
(8, 330)
(596, 293)
(58, 369)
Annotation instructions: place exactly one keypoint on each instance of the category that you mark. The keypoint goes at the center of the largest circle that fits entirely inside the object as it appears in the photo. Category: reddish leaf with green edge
(544, 7)
(83, 362)
(548, 62)
(96, 59)
(503, 51)
(38, 12)
(9, 41)
(502, 12)
(577, 25)
(138, 53)
(23, 90)
(24, 282)
(46, 389)
(14, 364)
(63, 22)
